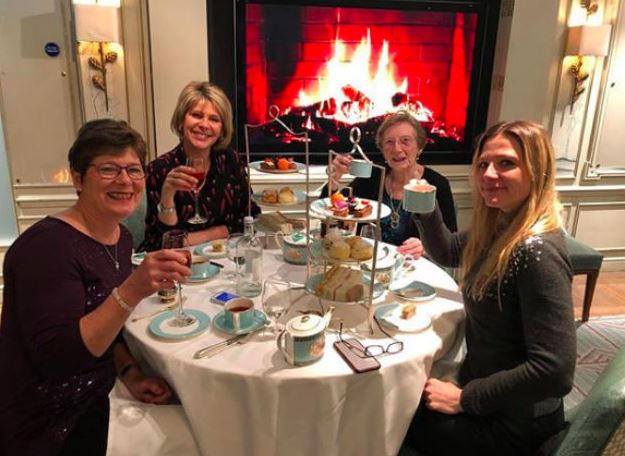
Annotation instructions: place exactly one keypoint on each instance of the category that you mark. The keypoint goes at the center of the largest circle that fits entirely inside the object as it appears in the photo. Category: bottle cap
(248, 219)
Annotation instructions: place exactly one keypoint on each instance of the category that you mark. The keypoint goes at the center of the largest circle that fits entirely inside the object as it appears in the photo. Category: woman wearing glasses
(68, 291)
(520, 332)
(209, 205)
(401, 140)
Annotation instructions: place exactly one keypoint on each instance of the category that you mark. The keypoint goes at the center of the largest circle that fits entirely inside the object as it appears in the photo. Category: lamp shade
(97, 23)
(589, 40)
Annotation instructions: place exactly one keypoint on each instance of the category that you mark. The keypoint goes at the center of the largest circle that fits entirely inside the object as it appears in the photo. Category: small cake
(218, 245)
(408, 311)
(340, 209)
(292, 164)
(339, 250)
(286, 195)
(268, 164)
(282, 164)
(270, 196)
(361, 250)
(362, 209)
(341, 284)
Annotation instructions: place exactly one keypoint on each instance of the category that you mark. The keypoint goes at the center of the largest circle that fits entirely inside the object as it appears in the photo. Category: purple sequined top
(223, 199)
(53, 276)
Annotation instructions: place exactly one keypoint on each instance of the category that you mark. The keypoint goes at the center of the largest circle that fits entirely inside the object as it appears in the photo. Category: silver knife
(224, 343)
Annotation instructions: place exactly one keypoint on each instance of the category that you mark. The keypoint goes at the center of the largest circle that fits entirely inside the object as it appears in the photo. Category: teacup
(419, 197)
(360, 168)
(238, 313)
(389, 269)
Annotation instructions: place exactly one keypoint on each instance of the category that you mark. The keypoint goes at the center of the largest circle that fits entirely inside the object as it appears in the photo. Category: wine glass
(276, 300)
(200, 168)
(369, 232)
(233, 255)
(177, 239)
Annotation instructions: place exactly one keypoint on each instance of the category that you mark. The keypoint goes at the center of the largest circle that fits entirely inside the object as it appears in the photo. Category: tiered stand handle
(354, 136)
(274, 113)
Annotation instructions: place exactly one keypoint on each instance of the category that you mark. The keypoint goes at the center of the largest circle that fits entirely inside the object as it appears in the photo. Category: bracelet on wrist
(124, 370)
(123, 304)
(166, 210)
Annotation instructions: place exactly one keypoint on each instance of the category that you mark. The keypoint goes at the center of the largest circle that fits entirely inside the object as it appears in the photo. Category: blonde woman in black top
(520, 331)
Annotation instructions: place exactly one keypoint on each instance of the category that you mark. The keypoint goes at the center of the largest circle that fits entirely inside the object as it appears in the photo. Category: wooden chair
(585, 260)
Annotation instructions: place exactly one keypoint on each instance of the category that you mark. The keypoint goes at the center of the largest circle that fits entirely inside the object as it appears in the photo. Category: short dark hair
(102, 137)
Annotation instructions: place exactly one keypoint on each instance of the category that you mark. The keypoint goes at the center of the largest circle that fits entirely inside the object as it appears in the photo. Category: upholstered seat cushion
(582, 256)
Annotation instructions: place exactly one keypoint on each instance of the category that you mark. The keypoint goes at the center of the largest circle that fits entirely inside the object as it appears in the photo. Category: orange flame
(62, 176)
(359, 94)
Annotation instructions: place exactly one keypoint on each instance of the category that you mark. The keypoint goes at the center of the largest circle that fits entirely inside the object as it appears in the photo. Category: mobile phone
(222, 297)
(352, 351)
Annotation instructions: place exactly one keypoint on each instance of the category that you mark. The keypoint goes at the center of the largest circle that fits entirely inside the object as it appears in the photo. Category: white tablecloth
(248, 401)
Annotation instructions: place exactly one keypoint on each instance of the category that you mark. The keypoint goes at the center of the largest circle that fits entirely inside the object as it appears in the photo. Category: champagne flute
(275, 301)
(177, 239)
(200, 168)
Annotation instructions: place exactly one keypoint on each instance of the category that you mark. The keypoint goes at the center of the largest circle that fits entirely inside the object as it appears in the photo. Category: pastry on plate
(286, 195)
(339, 250)
(270, 195)
(408, 311)
(362, 209)
(268, 164)
(361, 250)
(341, 284)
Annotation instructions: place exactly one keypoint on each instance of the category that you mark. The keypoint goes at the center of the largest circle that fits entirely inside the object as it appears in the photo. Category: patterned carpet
(597, 341)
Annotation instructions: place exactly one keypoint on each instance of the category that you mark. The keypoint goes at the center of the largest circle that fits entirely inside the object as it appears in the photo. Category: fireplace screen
(328, 69)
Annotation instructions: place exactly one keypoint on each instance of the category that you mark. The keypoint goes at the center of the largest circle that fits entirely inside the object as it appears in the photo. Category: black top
(53, 275)
(520, 356)
(369, 187)
(223, 199)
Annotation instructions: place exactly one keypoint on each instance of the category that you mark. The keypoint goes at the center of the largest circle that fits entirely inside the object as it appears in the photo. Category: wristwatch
(165, 210)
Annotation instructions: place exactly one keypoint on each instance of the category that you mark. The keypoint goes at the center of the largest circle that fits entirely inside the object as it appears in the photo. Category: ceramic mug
(238, 313)
(360, 168)
(419, 197)
(302, 342)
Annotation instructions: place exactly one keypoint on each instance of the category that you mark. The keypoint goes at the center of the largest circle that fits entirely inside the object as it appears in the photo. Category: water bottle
(250, 247)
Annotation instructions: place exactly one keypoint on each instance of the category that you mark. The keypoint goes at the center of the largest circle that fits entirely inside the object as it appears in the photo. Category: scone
(339, 250)
(286, 195)
(270, 196)
(361, 250)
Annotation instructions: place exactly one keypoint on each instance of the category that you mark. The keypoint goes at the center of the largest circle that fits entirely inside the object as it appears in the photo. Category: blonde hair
(540, 213)
(196, 91)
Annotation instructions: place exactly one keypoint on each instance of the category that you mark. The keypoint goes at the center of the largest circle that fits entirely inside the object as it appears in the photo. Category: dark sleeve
(440, 243)
(49, 301)
(544, 290)
(444, 198)
(154, 228)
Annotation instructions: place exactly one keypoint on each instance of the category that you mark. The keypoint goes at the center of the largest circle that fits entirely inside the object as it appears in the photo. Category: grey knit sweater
(520, 357)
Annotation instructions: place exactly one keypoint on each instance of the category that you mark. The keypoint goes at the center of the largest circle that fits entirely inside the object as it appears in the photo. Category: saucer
(203, 272)
(414, 291)
(389, 315)
(160, 327)
(260, 319)
(206, 250)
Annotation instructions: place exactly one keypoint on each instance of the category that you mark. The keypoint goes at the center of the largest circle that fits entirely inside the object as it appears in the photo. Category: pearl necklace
(113, 259)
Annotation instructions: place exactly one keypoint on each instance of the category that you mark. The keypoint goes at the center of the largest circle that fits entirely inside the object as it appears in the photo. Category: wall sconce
(98, 24)
(585, 40)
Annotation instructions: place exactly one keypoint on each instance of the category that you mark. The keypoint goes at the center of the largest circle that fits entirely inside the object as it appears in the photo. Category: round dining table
(247, 400)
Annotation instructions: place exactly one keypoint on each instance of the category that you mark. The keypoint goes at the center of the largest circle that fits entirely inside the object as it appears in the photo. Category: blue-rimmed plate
(160, 325)
(414, 291)
(300, 198)
(202, 272)
(260, 320)
(206, 250)
(312, 284)
(389, 315)
(298, 167)
(137, 258)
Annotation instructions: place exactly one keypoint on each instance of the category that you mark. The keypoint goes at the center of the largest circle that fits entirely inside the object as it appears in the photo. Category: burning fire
(349, 92)
(62, 176)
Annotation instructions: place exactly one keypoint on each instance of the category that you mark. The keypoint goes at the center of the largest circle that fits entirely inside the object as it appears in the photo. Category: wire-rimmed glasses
(375, 349)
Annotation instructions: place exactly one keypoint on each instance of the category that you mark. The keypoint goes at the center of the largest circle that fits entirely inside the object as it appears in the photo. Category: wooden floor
(609, 298)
